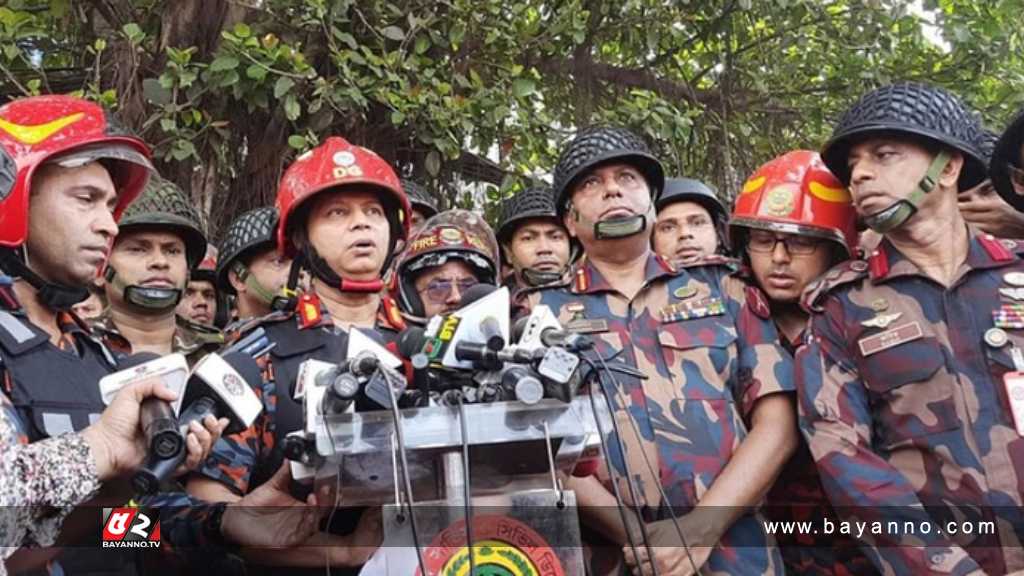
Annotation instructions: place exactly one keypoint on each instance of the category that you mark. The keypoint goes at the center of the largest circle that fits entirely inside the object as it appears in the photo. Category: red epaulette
(878, 263)
(995, 248)
(391, 315)
(665, 264)
(308, 310)
(582, 280)
(757, 303)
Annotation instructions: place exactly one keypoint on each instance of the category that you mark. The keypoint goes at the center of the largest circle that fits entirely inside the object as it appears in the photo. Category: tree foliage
(460, 93)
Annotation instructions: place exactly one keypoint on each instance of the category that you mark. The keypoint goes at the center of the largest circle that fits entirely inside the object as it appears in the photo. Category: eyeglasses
(438, 289)
(796, 245)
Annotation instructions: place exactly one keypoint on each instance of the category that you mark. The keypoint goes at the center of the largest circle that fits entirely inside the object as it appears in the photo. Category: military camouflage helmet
(987, 140)
(163, 205)
(690, 190)
(419, 197)
(254, 230)
(600, 145)
(1006, 159)
(536, 202)
(913, 109)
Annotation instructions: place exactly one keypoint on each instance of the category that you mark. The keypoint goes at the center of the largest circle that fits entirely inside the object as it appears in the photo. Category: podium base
(531, 532)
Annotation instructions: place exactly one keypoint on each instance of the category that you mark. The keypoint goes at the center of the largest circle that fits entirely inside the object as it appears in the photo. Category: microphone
(220, 386)
(476, 292)
(344, 381)
(483, 357)
(519, 328)
(156, 416)
(552, 337)
(411, 341)
(521, 381)
(490, 327)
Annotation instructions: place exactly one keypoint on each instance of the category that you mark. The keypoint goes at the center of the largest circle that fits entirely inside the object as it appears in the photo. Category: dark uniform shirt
(903, 404)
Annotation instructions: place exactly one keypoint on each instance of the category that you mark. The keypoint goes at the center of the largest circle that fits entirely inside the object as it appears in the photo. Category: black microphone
(518, 327)
(485, 358)
(476, 292)
(219, 386)
(156, 416)
(410, 347)
(522, 383)
(345, 381)
(552, 337)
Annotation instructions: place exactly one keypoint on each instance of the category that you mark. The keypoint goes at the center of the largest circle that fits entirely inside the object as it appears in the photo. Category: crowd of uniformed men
(843, 343)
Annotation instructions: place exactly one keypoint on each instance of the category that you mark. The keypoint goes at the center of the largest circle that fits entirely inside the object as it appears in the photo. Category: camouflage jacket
(798, 496)
(903, 405)
(709, 353)
(191, 339)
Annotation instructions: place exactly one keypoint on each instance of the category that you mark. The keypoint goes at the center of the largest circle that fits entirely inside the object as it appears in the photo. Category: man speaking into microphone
(708, 429)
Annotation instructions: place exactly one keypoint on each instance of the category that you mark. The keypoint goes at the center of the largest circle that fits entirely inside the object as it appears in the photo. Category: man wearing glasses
(452, 252)
(910, 383)
(792, 222)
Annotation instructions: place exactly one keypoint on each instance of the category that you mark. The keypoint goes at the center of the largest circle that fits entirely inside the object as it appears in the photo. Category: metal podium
(523, 521)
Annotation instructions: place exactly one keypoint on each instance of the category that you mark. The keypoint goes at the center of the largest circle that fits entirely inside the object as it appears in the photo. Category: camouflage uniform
(798, 496)
(191, 339)
(710, 353)
(903, 404)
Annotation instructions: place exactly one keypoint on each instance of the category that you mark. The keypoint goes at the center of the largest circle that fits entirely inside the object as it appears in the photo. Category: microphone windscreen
(519, 327)
(476, 292)
(411, 341)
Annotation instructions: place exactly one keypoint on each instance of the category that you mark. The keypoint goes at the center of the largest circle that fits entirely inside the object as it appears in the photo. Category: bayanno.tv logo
(131, 528)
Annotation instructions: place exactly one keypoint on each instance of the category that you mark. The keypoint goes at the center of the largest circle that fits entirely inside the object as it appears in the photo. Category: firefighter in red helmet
(67, 173)
(342, 213)
(792, 221)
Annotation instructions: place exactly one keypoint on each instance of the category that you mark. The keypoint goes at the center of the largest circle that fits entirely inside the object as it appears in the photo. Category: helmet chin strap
(252, 284)
(900, 211)
(623, 227)
(288, 297)
(53, 295)
(533, 277)
(144, 297)
(319, 267)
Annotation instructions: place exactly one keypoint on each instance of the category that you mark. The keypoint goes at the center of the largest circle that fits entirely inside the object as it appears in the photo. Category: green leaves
(292, 109)
(222, 63)
(394, 33)
(282, 86)
(717, 87)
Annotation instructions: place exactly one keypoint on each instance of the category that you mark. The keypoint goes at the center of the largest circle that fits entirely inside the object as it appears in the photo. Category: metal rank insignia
(1016, 294)
(692, 310)
(881, 321)
(996, 337)
(685, 292)
(1009, 316)
(576, 309)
